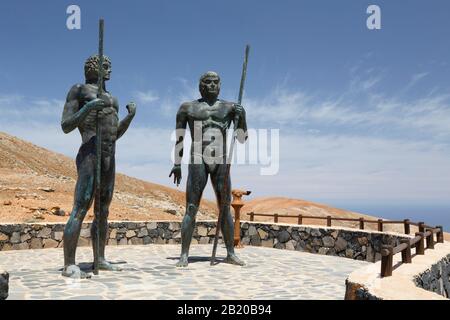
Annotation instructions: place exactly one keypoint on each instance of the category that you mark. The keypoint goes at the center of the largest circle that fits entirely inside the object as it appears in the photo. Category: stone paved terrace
(150, 273)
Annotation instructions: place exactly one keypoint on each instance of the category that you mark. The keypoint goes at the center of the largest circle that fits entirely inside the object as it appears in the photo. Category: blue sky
(364, 116)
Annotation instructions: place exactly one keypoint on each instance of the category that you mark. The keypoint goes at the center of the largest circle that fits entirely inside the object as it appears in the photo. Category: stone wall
(4, 278)
(41, 236)
(436, 279)
(349, 243)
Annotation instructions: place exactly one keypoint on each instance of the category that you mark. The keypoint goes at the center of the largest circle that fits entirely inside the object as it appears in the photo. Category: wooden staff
(230, 156)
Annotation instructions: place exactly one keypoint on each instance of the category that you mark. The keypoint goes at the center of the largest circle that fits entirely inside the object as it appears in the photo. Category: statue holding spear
(94, 111)
(208, 119)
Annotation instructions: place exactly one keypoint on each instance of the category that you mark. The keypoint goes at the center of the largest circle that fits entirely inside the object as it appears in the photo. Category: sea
(431, 214)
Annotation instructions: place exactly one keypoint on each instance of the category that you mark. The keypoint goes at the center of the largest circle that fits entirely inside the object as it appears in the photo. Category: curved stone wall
(426, 278)
(436, 278)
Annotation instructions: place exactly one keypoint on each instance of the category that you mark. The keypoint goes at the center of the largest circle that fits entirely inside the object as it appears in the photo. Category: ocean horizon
(431, 214)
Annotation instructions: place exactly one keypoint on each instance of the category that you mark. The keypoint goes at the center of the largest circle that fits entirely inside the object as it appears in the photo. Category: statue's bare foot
(107, 266)
(233, 259)
(183, 262)
(74, 272)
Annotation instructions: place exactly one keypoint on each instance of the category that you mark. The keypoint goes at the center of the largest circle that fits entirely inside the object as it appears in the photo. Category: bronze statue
(207, 117)
(80, 111)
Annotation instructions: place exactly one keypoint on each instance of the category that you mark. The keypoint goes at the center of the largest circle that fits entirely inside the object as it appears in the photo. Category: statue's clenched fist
(131, 107)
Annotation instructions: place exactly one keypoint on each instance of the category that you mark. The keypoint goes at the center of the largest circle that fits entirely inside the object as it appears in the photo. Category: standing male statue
(80, 111)
(208, 119)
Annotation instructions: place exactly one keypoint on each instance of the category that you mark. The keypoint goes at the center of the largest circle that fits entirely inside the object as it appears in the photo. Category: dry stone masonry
(353, 244)
(436, 279)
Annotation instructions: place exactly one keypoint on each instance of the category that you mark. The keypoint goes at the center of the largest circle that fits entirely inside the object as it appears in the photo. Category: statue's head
(91, 68)
(209, 84)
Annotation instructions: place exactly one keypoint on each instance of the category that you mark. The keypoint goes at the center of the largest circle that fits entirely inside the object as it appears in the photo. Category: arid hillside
(37, 185)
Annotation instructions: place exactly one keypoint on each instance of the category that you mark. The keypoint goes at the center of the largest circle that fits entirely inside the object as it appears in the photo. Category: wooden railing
(423, 240)
(362, 221)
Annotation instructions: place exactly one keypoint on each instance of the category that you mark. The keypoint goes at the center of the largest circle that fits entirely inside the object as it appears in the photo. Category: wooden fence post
(420, 246)
(300, 219)
(252, 216)
(430, 240)
(380, 224)
(406, 254)
(407, 226)
(387, 254)
(328, 221)
(440, 235)
(421, 226)
(361, 223)
(275, 218)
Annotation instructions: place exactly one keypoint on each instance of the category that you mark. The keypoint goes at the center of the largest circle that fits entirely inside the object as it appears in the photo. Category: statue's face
(210, 86)
(91, 68)
(106, 70)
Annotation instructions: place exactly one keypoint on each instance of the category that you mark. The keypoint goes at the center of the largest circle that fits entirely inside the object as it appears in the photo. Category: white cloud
(146, 97)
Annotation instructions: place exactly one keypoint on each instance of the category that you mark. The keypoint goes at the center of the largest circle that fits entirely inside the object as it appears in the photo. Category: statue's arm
(181, 124)
(241, 125)
(73, 115)
(125, 123)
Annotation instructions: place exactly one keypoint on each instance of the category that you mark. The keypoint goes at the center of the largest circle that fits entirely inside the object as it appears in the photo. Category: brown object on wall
(237, 205)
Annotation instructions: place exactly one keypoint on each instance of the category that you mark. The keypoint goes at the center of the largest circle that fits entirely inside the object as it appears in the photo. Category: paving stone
(150, 272)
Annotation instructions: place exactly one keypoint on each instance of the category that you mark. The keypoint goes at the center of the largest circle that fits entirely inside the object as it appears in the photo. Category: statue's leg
(223, 196)
(101, 222)
(196, 182)
(84, 191)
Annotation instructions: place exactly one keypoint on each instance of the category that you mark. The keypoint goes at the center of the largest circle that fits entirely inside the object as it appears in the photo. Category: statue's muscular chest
(109, 115)
(217, 115)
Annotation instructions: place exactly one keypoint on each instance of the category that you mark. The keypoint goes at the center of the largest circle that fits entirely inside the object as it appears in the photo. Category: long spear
(230, 156)
(98, 147)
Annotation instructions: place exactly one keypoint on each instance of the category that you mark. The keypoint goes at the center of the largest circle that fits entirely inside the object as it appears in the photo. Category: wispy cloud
(146, 97)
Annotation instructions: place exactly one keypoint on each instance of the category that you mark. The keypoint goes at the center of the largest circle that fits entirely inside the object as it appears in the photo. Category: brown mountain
(34, 180)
